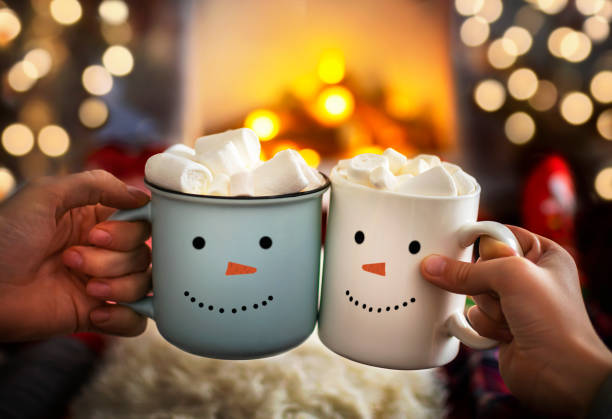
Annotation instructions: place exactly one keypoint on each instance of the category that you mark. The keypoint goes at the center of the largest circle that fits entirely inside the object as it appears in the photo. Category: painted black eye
(414, 247)
(265, 242)
(359, 237)
(199, 242)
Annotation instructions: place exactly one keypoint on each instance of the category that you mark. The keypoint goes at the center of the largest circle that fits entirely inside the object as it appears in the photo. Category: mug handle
(145, 305)
(457, 325)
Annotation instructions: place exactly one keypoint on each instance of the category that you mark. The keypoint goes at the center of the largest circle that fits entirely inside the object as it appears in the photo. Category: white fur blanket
(146, 377)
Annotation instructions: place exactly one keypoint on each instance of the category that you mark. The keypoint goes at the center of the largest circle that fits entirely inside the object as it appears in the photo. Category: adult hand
(550, 356)
(51, 280)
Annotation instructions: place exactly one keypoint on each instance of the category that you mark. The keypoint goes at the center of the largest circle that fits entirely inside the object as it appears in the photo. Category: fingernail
(99, 289)
(73, 259)
(434, 265)
(137, 193)
(100, 315)
(99, 237)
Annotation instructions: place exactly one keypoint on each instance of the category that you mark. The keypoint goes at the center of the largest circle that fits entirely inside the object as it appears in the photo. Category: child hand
(550, 356)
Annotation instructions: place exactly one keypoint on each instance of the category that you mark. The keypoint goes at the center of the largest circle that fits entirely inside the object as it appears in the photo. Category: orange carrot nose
(375, 268)
(238, 269)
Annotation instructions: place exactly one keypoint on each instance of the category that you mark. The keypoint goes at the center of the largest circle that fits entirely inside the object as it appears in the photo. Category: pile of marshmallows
(422, 175)
(229, 164)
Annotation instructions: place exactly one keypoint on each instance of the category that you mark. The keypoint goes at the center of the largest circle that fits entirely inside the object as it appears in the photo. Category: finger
(93, 187)
(120, 235)
(116, 319)
(490, 306)
(489, 248)
(123, 289)
(495, 275)
(530, 243)
(106, 263)
(487, 327)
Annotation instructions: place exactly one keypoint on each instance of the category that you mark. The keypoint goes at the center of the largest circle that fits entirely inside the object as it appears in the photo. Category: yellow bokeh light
(474, 31)
(520, 37)
(603, 183)
(53, 141)
(335, 105)
(576, 108)
(331, 67)
(575, 46)
(41, 60)
(113, 12)
(468, 7)
(551, 7)
(522, 83)
(306, 87)
(555, 39)
(36, 113)
(17, 139)
(285, 145)
(402, 105)
(7, 182)
(601, 87)
(589, 7)
(604, 124)
(93, 112)
(606, 10)
(545, 96)
(490, 95)
(265, 123)
(311, 157)
(118, 60)
(117, 34)
(22, 76)
(597, 28)
(498, 53)
(519, 128)
(372, 149)
(491, 10)
(97, 80)
(10, 25)
(66, 12)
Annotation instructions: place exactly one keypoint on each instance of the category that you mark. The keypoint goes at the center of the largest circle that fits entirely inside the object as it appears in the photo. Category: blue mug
(233, 277)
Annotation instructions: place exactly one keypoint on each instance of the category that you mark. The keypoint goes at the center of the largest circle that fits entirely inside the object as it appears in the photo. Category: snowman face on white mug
(378, 270)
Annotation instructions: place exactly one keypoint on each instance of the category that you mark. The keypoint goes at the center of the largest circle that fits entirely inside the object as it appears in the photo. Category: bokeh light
(597, 28)
(7, 182)
(306, 87)
(521, 37)
(36, 113)
(118, 60)
(491, 10)
(606, 10)
(601, 87)
(603, 183)
(520, 128)
(576, 108)
(372, 149)
(117, 34)
(604, 124)
(555, 38)
(66, 12)
(589, 7)
(41, 60)
(551, 7)
(474, 31)
(97, 80)
(93, 112)
(114, 12)
(334, 105)
(22, 76)
(575, 46)
(10, 26)
(522, 83)
(265, 123)
(53, 141)
(284, 145)
(502, 53)
(545, 96)
(402, 105)
(311, 157)
(490, 95)
(17, 139)
(331, 67)
(468, 7)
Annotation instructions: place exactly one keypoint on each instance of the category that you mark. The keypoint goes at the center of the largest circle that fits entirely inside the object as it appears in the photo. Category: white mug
(376, 308)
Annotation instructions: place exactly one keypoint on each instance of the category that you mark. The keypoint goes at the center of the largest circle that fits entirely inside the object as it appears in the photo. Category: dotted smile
(371, 309)
(234, 310)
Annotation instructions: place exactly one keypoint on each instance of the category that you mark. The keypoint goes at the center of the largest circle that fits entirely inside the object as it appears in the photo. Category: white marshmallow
(242, 184)
(177, 173)
(219, 186)
(362, 165)
(280, 175)
(431, 160)
(434, 182)
(181, 150)
(414, 167)
(450, 168)
(382, 178)
(396, 160)
(225, 159)
(312, 175)
(245, 140)
(465, 183)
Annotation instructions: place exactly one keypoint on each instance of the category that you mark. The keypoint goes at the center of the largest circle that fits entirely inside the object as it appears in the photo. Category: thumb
(469, 278)
(94, 187)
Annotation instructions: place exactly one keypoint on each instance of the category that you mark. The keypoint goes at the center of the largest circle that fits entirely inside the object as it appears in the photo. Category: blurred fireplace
(332, 77)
